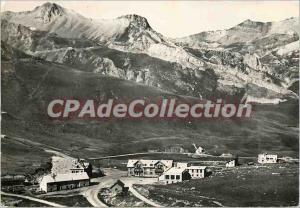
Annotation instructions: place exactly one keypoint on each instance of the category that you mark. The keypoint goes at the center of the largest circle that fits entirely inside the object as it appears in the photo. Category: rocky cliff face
(239, 57)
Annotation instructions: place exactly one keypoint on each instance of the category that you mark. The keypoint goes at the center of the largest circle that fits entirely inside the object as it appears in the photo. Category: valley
(52, 52)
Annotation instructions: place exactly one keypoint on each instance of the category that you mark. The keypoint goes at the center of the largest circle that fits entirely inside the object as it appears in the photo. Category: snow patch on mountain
(275, 101)
(294, 46)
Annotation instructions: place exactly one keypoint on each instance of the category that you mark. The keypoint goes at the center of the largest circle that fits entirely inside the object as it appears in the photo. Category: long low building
(53, 182)
(148, 168)
(266, 158)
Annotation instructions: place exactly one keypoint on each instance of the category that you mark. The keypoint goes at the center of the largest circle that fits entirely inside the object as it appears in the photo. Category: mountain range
(52, 52)
(252, 53)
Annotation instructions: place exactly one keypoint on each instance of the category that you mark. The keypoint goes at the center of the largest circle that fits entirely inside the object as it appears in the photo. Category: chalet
(53, 182)
(231, 163)
(175, 175)
(118, 188)
(62, 165)
(266, 158)
(148, 168)
(197, 171)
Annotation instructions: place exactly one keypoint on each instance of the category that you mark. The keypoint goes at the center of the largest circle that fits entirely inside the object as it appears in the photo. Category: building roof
(181, 164)
(130, 163)
(265, 154)
(175, 171)
(50, 178)
(149, 163)
(61, 165)
(196, 167)
(118, 182)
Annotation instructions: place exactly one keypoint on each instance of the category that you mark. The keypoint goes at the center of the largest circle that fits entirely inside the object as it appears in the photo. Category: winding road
(92, 194)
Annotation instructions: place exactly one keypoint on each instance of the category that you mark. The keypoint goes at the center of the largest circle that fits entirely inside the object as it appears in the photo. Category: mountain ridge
(133, 34)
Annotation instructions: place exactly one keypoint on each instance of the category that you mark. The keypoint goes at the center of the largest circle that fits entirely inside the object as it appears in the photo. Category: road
(91, 194)
(129, 154)
(33, 199)
(130, 181)
(46, 148)
(112, 175)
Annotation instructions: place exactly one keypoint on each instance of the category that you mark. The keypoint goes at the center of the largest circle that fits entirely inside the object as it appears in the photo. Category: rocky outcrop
(240, 56)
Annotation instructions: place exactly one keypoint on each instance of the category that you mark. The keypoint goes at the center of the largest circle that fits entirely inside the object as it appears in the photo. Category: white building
(197, 171)
(266, 158)
(62, 165)
(53, 182)
(198, 150)
(148, 168)
(231, 163)
(175, 175)
(180, 164)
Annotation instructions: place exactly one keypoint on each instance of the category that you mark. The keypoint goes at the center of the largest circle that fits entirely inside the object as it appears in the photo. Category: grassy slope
(273, 185)
(18, 158)
(29, 84)
(70, 201)
(8, 201)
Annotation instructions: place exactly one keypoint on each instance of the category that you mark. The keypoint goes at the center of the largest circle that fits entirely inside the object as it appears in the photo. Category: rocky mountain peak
(136, 20)
(49, 10)
(250, 24)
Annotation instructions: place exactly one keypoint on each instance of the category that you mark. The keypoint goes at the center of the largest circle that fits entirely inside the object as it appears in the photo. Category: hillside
(63, 36)
(52, 52)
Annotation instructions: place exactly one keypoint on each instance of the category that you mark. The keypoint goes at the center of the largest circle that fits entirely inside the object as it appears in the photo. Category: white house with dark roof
(175, 175)
(231, 163)
(57, 182)
(148, 168)
(63, 165)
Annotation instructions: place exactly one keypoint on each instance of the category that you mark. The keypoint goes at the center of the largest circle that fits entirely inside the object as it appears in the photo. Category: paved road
(33, 199)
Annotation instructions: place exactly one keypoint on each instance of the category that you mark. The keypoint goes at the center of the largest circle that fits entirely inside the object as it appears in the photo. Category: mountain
(53, 52)
(65, 23)
(29, 83)
(246, 31)
(63, 36)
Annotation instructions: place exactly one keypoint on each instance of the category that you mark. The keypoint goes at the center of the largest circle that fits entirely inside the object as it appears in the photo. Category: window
(172, 177)
(167, 177)
(177, 177)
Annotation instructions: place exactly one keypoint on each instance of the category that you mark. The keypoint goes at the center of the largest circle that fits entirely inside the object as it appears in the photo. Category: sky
(176, 18)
